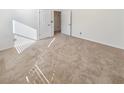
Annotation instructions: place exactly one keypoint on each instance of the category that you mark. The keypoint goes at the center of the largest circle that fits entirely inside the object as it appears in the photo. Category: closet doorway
(57, 22)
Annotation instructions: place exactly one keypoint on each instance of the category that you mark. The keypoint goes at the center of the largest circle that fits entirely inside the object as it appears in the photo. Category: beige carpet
(63, 60)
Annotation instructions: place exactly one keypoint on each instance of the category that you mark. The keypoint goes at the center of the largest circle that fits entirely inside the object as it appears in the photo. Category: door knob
(48, 24)
(51, 21)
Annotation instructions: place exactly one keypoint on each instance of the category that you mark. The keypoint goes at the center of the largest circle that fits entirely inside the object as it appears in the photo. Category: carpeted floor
(64, 60)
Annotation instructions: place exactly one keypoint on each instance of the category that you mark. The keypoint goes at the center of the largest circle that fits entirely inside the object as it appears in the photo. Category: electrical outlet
(80, 33)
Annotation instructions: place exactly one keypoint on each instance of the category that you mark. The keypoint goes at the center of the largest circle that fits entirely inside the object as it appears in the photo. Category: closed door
(45, 23)
(66, 22)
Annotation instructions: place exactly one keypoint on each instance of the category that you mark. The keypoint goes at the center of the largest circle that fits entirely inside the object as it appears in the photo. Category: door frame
(61, 22)
(52, 22)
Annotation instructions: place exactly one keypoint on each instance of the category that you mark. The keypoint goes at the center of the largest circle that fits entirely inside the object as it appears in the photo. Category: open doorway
(52, 22)
(57, 22)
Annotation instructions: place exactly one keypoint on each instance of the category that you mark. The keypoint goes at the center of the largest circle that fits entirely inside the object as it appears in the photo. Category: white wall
(6, 36)
(24, 30)
(26, 22)
(28, 17)
(103, 26)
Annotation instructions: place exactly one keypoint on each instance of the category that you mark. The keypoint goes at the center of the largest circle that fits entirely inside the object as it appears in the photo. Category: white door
(45, 23)
(66, 22)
